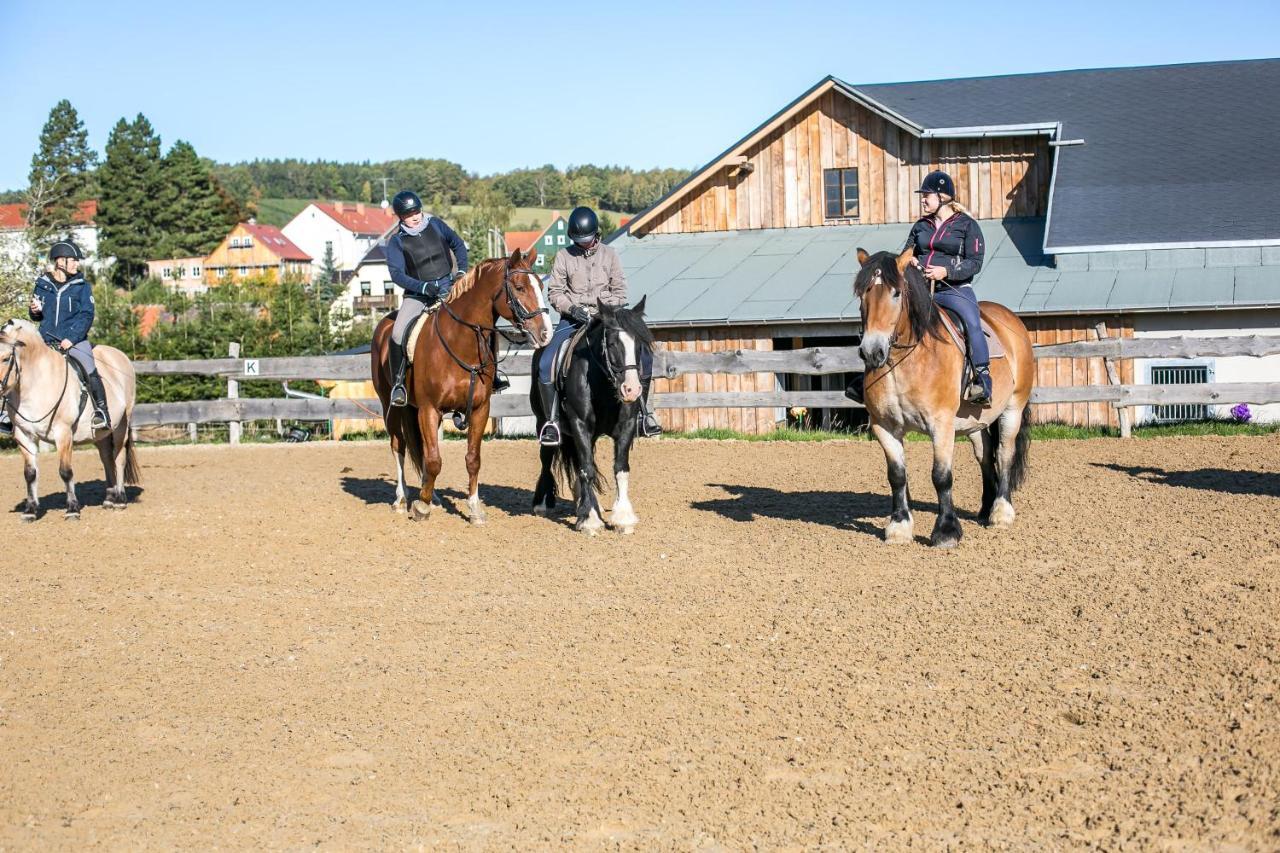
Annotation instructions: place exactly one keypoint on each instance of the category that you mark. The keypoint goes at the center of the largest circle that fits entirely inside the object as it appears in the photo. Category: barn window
(840, 192)
(1180, 374)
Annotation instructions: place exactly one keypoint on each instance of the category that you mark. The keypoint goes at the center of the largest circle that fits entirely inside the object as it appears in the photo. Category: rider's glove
(579, 315)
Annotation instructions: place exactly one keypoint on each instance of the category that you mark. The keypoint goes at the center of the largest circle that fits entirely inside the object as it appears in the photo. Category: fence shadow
(1264, 484)
(841, 510)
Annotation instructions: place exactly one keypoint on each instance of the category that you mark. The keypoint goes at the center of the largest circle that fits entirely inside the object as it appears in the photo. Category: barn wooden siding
(715, 340)
(995, 176)
(1063, 372)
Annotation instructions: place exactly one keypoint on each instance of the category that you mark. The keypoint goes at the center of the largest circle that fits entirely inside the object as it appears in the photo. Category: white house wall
(312, 228)
(1208, 324)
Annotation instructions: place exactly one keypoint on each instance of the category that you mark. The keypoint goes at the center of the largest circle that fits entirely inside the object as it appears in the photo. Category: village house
(252, 250)
(349, 229)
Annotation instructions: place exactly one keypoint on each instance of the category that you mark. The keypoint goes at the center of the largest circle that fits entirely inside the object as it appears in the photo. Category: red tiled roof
(522, 240)
(148, 316)
(359, 219)
(273, 239)
(15, 215)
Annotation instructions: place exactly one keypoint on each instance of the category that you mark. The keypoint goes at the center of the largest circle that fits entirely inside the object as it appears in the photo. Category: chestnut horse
(453, 370)
(914, 381)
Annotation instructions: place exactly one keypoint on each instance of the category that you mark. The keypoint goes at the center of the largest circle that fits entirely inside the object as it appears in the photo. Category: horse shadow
(1260, 483)
(841, 510)
(89, 492)
(377, 491)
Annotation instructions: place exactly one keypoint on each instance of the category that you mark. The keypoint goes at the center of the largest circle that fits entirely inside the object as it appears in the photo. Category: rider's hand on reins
(66, 345)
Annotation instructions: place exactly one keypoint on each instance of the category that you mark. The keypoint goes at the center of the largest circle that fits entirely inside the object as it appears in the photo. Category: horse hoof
(28, 517)
(626, 529)
(540, 510)
(1002, 514)
(419, 511)
(897, 533)
(72, 516)
(944, 541)
(478, 519)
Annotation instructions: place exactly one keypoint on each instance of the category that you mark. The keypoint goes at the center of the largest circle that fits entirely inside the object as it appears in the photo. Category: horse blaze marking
(251, 367)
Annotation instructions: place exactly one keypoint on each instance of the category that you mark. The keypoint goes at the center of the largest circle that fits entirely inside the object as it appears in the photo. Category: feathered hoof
(28, 517)
(541, 510)
(897, 533)
(419, 511)
(1002, 514)
(72, 516)
(591, 526)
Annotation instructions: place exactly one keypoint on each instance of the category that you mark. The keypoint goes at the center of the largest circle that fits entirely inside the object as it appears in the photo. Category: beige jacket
(581, 277)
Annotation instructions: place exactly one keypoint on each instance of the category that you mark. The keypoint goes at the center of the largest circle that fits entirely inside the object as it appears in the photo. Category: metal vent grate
(1180, 375)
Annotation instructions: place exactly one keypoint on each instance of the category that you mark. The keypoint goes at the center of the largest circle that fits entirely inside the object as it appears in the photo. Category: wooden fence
(812, 361)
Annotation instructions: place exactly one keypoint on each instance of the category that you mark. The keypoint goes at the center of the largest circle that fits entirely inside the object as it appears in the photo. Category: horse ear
(904, 259)
(605, 308)
(530, 256)
(863, 257)
(515, 257)
(639, 309)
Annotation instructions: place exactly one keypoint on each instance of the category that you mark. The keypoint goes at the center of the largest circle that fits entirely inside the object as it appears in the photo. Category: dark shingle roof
(1173, 154)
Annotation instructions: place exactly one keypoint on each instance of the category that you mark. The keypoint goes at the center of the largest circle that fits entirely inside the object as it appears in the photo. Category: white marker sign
(251, 367)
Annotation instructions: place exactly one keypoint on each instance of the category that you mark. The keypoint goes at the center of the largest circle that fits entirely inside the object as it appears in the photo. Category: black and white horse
(601, 396)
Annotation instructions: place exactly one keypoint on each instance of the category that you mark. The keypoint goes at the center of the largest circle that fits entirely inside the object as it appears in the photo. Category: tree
(326, 283)
(194, 214)
(61, 176)
(128, 205)
(489, 209)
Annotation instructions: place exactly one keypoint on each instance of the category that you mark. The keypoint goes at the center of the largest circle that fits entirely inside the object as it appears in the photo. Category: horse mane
(468, 281)
(922, 311)
(633, 324)
(23, 328)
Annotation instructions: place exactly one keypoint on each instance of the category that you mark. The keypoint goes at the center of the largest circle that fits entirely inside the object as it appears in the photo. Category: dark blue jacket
(429, 290)
(68, 308)
(957, 245)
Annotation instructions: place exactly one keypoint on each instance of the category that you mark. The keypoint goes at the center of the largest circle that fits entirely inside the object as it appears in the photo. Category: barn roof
(1172, 155)
(799, 275)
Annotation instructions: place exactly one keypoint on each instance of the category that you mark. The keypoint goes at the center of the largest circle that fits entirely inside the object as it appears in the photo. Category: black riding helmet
(65, 249)
(405, 203)
(583, 225)
(938, 182)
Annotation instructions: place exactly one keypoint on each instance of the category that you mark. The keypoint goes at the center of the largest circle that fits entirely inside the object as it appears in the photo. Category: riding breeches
(962, 301)
(83, 353)
(410, 310)
(564, 330)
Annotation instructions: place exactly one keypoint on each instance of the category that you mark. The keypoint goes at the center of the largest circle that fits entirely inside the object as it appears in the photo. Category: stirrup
(649, 426)
(550, 435)
(977, 392)
(100, 420)
(399, 397)
(500, 382)
(6, 425)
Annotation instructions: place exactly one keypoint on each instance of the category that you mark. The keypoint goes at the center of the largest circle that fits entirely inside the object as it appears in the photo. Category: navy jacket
(957, 245)
(429, 290)
(68, 308)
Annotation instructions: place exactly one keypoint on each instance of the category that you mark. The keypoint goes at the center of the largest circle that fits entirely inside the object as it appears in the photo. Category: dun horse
(44, 399)
(914, 381)
(453, 369)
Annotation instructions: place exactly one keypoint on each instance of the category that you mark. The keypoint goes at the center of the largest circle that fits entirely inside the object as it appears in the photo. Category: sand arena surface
(260, 652)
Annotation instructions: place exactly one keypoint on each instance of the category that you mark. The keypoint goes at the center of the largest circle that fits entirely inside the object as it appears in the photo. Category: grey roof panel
(717, 301)
(725, 256)
(1081, 288)
(1005, 280)
(1258, 286)
(670, 265)
(762, 309)
(825, 299)
(1141, 289)
(1211, 286)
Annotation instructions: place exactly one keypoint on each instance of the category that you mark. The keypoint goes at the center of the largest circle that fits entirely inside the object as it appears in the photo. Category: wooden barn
(1116, 200)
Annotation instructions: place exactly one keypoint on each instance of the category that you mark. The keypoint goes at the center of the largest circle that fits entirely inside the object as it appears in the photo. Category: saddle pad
(561, 361)
(411, 342)
(994, 346)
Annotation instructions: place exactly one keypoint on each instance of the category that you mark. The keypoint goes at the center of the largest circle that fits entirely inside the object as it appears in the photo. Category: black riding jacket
(957, 245)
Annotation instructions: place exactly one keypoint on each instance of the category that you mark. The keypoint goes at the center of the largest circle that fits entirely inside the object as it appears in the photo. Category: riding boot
(6, 425)
(395, 353)
(979, 391)
(101, 417)
(855, 389)
(550, 435)
(500, 382)
(648, 422)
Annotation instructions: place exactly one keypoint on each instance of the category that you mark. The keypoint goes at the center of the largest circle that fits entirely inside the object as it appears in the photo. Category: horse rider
(63, 306)
(949, 248)
(421, 257)
(585, 272)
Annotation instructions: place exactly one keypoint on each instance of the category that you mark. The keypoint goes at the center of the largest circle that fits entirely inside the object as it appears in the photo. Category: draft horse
(453, 366)
(914, 381)
(601, 396)
(44, 398)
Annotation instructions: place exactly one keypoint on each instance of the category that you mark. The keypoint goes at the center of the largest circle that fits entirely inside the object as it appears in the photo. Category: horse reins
(6, 391)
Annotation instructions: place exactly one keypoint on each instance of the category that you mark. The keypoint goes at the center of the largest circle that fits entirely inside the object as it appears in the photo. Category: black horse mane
(922, 311)
(633, 324)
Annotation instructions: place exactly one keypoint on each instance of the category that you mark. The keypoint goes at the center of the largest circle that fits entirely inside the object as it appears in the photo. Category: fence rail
(811, 361)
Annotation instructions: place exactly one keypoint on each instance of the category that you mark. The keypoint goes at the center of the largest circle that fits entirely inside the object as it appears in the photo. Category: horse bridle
(522, 314)
(6, 390)
(613, 372)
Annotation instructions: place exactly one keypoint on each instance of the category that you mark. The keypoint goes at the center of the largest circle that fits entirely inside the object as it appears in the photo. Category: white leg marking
(631, 378)
(623, 518)
(1002, 514)
(401, 488)
(475, 508)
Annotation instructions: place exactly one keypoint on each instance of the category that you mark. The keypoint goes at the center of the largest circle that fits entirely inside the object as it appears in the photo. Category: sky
(497, 85)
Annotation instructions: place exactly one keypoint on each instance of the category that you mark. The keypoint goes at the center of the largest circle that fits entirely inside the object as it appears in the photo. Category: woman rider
(63, 305)
(421, 257)
(585, 272)
(948, 246)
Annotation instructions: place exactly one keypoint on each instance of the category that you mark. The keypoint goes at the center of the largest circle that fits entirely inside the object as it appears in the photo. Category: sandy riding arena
(261, 653)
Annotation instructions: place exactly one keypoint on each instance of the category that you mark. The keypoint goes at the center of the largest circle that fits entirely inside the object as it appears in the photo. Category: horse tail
(1021, 451)
(411, 437)
(132, 471)
(566, 464)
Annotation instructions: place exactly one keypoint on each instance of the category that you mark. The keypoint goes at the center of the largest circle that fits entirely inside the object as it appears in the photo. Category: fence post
(1113, 376)
(191, 432)
(233, 392)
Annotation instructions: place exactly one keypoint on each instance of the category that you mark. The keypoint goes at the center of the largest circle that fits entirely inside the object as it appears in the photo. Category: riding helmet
(583, 225)
(65, 249)
(406, 203)
(938, 182)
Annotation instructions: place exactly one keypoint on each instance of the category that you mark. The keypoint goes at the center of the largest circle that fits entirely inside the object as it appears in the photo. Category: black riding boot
(500, 382)
(550, 435)
(395, 353)
(648, 422)
(6, 425)
(979, 391)
(101, 417)
(855, 389)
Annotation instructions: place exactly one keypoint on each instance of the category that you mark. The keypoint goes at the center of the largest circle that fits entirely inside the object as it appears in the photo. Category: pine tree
(128, 204)
(326, 283)
(194, 213)
(61, 176)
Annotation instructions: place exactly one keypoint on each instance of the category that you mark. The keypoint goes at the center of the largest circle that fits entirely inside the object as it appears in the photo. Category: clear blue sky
(493, 87)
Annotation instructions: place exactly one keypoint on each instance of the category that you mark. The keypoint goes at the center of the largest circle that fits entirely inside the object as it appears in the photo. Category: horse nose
(874, 351)
(630, 392)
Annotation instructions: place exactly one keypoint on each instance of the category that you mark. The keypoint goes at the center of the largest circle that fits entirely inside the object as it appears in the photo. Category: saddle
(78, 370)
(561, 361)
(411, 340)
(956, 328)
